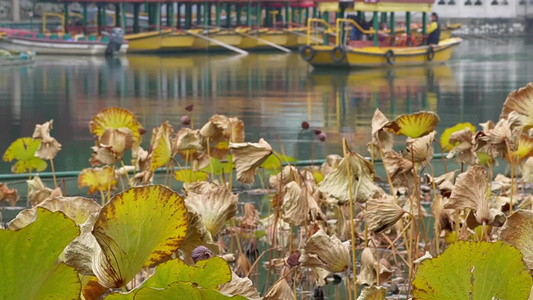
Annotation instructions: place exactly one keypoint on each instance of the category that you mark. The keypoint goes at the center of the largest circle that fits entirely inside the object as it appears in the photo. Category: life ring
(307, 52)
(336, 52)
(391, 58)
(430, 53)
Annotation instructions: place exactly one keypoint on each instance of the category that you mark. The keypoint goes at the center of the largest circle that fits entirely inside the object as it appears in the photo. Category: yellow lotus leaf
(445, 137)
(325, 252)
(9, 195)
(370, 267)
(98, 179)
(138, 228)
(525, 147)
(30, 267)
(162, 148)
(247, 157)
(116, 117)
(470, 191)
(215, 207)
(520, 101)
(49, 146)
(190, 176)
(414, 125)
(220, 150)
(23, 150)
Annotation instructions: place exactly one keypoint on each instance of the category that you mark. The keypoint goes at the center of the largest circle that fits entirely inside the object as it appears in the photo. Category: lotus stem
(435, 212)
(28, 190)
(394, 250)
(210, 161)
(281, 278)
(125, 172)
(349, 284)
(352, 226)
(511, 161)
(103, 197)
(53, 172)
(372, 158)
(230, 174)
(443, 157)
(259, 258)
(237, 235)
(416, 193)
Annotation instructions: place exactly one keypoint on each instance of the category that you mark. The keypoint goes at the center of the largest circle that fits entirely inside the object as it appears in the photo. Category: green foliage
(189, 176)
(183, 291)
(219, 167)
(23, 150)
(272, 162)
(29, 267)
(474, 270)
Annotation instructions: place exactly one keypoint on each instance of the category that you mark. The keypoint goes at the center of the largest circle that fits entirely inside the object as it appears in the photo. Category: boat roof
(379, 5)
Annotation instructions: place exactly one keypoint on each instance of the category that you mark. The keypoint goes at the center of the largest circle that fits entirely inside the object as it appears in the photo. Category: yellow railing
(341, 20)
(60, 16)
(309, 28)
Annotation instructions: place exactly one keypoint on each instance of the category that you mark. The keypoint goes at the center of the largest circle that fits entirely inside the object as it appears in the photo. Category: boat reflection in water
(273, 94)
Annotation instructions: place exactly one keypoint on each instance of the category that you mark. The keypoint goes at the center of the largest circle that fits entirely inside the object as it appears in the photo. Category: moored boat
(11, 58)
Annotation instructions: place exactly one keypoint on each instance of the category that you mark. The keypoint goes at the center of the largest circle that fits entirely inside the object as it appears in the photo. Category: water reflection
(272, 93)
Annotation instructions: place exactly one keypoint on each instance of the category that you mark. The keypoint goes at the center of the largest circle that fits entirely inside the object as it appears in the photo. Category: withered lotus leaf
(369, 269)
(23, 150)
(215, 207)
(247, 157)
(187, 142)
(380, 137)
(281, 290)
(289, 174)
(49, 146)
(332, 162)
(336, 183)
(77, 208)
(524, 148)
(299, 206)
(373, 293)
(138, 228)
(446, 141)
(162, 148)
(420, 150)
(38, 192)
(117, 141)
(30, 269)
(325, 252)
(197, 235)
(518, 231)
(116, 117)
(520, 101)
(382, 213)
(414, 125)
(98, 179)
(240, 286)
(473, 270)
(189, 289)
(221, 128)
(470, 191)
(9, 195)
(527, 170)
(463, 141)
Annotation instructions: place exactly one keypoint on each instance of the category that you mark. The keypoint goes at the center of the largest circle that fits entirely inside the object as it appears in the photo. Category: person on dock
(434, 30)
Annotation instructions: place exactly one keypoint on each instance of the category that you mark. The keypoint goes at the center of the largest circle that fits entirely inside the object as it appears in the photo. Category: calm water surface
(272, 93)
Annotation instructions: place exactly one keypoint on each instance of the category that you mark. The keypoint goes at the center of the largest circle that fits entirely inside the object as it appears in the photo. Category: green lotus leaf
(219, 167)
(29, 267)
(518, 231)
(23, 150)
(138, 228)
(474, 270)
(272, 162)
(182, 291)
(190, 176)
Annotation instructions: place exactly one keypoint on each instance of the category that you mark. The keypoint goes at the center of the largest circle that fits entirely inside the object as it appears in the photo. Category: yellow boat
(147, 41)
(384, 50)
(228, 37)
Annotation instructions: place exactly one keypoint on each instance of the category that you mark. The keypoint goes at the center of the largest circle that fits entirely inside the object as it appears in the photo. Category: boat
(386, 48)
(59, 44)
(11, 58)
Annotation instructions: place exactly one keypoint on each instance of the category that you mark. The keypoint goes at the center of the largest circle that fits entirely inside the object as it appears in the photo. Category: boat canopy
(378, 6)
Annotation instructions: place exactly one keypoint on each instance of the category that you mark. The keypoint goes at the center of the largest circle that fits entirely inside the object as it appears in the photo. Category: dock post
(123, 20)
(287, 15)
(178, 15)
(424, 22)
(228, 14)
(218, 11)
(408, 27)
(65, 10)
(104, 15)
(187, 16)
(383, 18)
(172, 22)
(392, 23)
(84, 12)
(117, 15)
(268, 17)
(315, 12)
(198, 14)
(376, 29)
(326, 18)
(249, 14)
(210, 14)
(205, 13)
(136, 7)
(98, 19)
(307, 14)
(238, 14)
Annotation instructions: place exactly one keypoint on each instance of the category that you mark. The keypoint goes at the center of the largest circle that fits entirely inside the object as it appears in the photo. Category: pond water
(273, 93)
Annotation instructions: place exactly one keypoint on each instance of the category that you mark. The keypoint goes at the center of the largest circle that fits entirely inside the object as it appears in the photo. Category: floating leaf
(445, 137)
(23, 150)
(414, 125)
(272, 162)
(518, 231)
(29, 259)
(162, 148)
(183, 290)
(116, 117)
(137, 228)
(473, 270)
(190, 176)
(98, 179)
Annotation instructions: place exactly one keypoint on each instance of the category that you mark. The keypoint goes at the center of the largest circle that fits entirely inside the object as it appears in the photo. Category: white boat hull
(57, 47)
